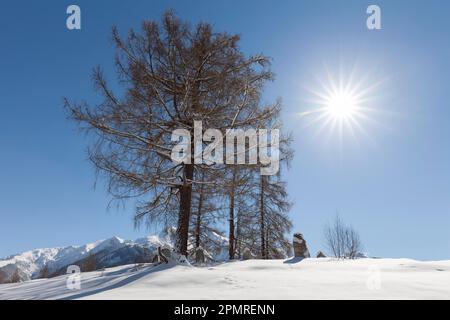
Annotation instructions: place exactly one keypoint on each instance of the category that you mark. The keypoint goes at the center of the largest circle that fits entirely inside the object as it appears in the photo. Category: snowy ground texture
(254, 279)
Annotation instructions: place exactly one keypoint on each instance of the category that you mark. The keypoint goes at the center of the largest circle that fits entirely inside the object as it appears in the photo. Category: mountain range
(49, 262)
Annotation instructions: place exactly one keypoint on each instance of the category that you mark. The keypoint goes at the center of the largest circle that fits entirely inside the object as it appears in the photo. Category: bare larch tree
(170, 75)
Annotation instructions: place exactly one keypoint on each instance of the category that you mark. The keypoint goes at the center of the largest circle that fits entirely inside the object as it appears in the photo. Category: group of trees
(89, 264)
(172, 74)
(13, 278)
(3, 277)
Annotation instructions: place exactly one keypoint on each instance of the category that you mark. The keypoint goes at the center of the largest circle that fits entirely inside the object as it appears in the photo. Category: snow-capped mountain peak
(109, 252)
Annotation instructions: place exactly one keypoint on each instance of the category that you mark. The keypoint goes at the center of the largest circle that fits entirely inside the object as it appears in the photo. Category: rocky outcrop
(300, 248)
(247, 254)
(320, 254)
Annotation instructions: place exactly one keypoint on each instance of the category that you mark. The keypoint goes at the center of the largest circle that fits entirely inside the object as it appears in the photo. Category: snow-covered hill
(108, 253)
(323, 278)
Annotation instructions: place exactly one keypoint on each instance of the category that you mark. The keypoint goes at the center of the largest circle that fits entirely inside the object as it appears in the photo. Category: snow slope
(30, 263)
(108, 253)
(253, 279)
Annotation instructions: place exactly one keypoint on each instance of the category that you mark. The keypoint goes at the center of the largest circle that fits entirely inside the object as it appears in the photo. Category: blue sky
(392, 183)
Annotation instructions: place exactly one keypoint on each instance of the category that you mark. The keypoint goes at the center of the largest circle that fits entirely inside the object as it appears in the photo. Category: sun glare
(341, 105)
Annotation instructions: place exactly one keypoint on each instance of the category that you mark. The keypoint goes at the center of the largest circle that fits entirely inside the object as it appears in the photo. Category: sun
(341, 105)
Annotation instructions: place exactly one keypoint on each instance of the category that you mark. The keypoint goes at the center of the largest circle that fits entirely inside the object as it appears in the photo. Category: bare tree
(206, 217)
(342, 240)
(274, 223)
(90, 263)
(3, 277)
(15, 277)
(172, 75)
(262, 218)
(44, 273)
(237, 189)
(353, 244)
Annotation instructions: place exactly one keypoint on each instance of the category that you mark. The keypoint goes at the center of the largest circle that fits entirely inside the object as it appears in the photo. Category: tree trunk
(262, 217)
(231, 238)
(185, 210)
(238, 246)
(198, 222)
